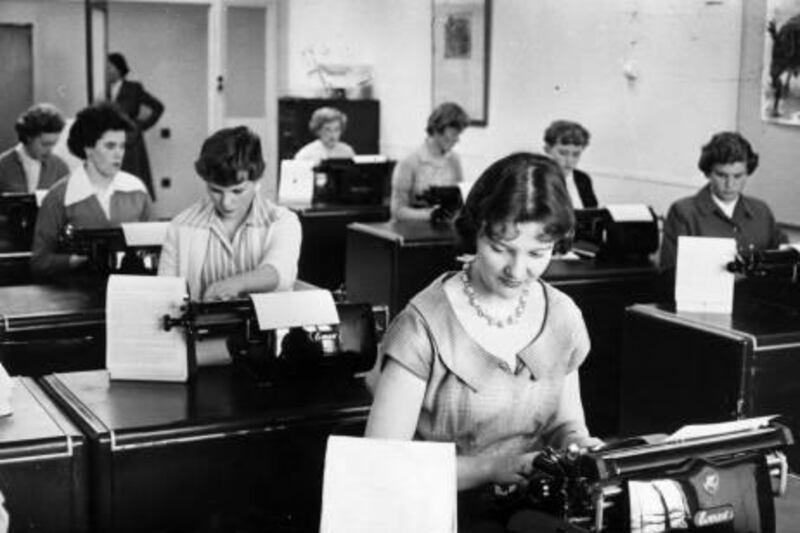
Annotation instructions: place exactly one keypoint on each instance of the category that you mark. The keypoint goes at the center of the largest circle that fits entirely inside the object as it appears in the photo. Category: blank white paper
(290, 309)
(391, 486)
(296, 181)
(629, 212)
(702, 281)
(144, 233)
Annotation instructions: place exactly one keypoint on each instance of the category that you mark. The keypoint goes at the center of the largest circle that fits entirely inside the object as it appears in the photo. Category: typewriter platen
(720, 483)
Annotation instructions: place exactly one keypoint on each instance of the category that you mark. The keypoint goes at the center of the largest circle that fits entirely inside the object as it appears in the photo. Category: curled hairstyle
(566, 132)
(521, 187)
(119, 62)
(447, 115)
(231, 156)
(38, 119)
(92, 122)
(323, 115)
(725, 148)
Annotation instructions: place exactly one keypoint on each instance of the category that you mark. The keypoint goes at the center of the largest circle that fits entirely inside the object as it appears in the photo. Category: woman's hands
(511, 469)
(224, 289)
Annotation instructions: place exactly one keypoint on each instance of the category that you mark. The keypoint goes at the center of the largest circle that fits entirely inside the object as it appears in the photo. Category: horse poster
(780, 96)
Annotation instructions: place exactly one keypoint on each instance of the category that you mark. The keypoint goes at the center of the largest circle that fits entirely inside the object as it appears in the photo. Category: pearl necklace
(469, 290)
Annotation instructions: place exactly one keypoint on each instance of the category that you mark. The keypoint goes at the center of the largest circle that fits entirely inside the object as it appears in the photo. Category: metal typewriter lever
(778, 467)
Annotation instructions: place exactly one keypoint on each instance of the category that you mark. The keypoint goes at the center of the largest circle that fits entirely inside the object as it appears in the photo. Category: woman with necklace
(488, 357)
(96, 194)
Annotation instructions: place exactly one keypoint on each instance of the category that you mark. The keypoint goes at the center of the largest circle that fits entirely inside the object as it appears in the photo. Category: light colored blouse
(419, 171)
(316, 151)
(473, 398)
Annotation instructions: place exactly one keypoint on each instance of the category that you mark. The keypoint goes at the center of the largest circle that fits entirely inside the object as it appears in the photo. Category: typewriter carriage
(347, 348)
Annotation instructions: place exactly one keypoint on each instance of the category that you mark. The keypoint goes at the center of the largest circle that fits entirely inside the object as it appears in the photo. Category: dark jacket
(584, 185)
(752, 224)
(131, 97)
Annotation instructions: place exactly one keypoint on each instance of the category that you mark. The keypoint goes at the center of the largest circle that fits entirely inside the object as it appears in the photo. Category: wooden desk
(602, 291)
(322, 252)
(43, 465)
(703, 367)
(220, 450)
(389, 263)
(49, 328)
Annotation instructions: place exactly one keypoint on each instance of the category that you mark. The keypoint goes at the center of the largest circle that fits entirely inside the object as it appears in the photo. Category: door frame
(267, 127)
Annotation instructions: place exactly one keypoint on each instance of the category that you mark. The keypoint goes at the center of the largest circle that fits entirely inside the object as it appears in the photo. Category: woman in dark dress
(131, 97)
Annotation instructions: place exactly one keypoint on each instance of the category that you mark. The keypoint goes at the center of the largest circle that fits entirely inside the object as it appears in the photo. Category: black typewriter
(345, 349)
(348, 182)
(108, 252)
(720, 483)
(783, 265)
(19, 211)
(446, 199)
(598, 235)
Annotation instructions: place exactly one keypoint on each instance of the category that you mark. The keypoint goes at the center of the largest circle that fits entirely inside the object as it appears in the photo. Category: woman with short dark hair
(235, 241)
(96, 194)
(432, 164)
(720, 209)
(328, 124)
(31, 164)
(488, 357)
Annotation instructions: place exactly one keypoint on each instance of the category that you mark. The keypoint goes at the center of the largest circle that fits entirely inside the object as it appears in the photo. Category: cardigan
(12, 174)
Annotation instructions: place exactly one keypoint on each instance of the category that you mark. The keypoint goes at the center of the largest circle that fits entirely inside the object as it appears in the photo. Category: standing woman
(97, 194)
(488, 357)
(131, 97)
(235, 241)
(327, 124)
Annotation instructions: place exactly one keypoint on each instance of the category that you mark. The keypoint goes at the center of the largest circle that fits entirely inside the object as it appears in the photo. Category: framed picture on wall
(780, 94)
(461, 35)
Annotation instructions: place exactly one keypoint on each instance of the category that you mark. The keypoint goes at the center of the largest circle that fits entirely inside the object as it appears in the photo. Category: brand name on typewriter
(710, 517)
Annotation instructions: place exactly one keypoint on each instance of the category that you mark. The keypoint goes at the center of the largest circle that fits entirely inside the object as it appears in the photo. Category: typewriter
(350, 182)
(781, 265)
(716, 483)
(19, 210)
(108, 251)
(768, 277)
(447, 199)
(345, 349)
(597, 234)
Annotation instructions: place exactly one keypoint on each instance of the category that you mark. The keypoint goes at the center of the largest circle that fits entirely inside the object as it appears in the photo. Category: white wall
(59, 49)
(777, 180)
(550, 59)
(166, 48)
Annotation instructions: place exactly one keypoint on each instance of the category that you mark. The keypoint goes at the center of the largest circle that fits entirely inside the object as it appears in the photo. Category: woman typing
(488, 357)
(235, 241)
